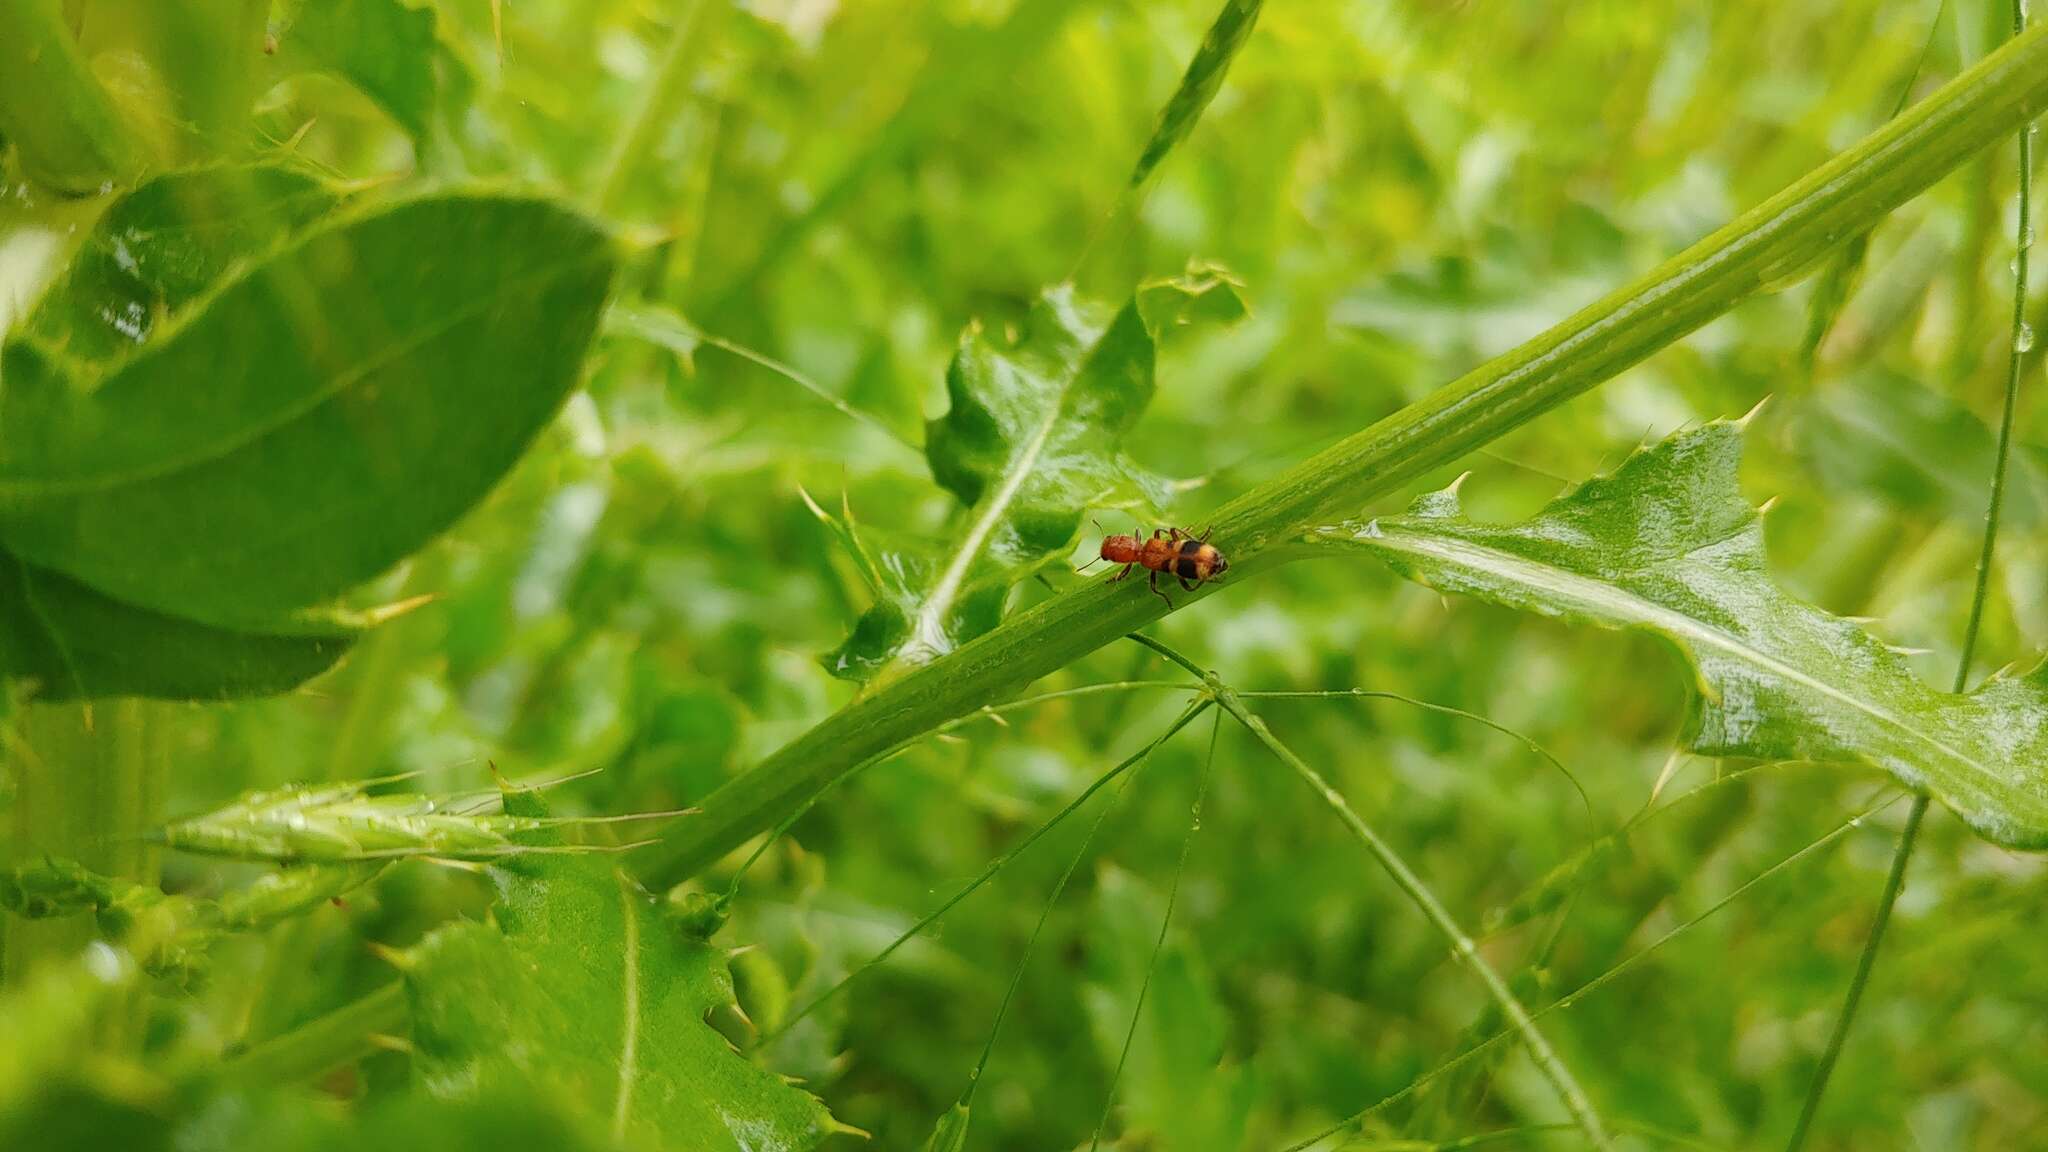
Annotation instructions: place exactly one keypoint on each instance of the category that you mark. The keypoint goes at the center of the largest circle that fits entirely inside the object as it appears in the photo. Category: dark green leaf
(74, 643)
(586, 991)
(1204, 77)
(384, 47)
(1668, 544)
(315, 420)
(159, 247)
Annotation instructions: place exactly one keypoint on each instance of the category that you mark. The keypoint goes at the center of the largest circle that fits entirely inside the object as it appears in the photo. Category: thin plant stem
(1052, 900)
(1159, 942)
(671, 80)
(1442, 710)
(1902, 855)
(666, 328)
(1596, 983)
(348, 1033)
(1540, 1051)
(1194, 709)
(1418, 893)
(1894, 880)
(1517, 1135)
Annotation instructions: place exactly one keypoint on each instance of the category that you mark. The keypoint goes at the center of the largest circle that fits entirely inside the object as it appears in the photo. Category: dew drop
(2026, 238)
(2023, 340)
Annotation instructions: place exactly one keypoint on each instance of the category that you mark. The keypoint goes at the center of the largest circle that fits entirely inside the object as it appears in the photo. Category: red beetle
(1191, 559)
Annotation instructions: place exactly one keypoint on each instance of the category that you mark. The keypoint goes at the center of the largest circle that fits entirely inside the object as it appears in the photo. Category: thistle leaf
(585, 991)
(1667, 544)
(1033, 437)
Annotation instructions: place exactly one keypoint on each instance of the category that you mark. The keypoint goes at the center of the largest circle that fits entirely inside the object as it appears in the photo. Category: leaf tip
(398, 958)
(820, 513)
(836, 1127)
(384, 613)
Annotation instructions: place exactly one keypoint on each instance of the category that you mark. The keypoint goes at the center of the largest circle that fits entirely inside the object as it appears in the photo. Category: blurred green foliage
(1402, 190)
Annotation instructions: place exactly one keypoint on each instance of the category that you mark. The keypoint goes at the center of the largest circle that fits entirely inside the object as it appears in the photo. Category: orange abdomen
(1121, 549)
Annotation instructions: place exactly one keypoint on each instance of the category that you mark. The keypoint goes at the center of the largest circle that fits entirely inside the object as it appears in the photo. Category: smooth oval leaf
(69, 642)
(1667, 544)
(312, 422)
(159, 247)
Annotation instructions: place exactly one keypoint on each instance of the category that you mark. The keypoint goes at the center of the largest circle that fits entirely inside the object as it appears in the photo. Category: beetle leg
(1162, 533)
(1188, 584)
(1157, 590)
(1204, 537)
(1121, 573)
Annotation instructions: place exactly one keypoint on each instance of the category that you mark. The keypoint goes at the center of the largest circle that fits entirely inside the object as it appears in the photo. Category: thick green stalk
(1760, 249)
(53, 110)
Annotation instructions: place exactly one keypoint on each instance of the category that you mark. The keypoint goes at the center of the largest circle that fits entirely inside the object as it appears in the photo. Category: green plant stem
(88, 786)
(1909, 837)
(1180, 869)
(53, 110)
(345, 1034)
(1418, 893)
(670, 84)
(1760, 249)
(1187, 716)
(1894, 880)
(1613, 973)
